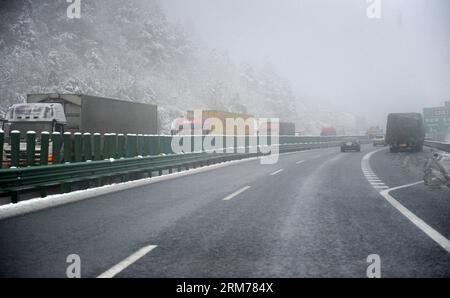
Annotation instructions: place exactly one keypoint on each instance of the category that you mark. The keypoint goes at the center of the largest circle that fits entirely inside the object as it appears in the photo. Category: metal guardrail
(14, 182)
(438, 145)
(96, 160)
(68, 148)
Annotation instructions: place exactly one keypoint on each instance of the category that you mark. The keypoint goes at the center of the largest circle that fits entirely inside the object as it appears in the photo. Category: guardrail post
(67, 147)
(140, 144)
(199, 140)
(228, 143)
(56, 148)
(146, 145)
(87, 146)
(78, 147)
(169, 145)
(45, 139)
(154, 145)
(131, 145)
(2, 141)
(192, 144)
(15, 148)
(113, 146)
(247, 144)
(121, 141)
(106, 146)
(97, 146)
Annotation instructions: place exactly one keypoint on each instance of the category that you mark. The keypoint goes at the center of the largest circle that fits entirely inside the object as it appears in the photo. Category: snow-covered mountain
(128, 50)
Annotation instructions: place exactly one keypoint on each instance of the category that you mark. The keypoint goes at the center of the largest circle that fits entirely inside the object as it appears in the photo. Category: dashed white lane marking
(127, 262)
(276, 172)
(299, 162)
(432, 233)
(236, 193)
(370, 175)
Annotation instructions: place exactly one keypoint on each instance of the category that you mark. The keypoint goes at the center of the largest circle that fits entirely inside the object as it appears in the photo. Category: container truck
(86, 113)
(222, 116)
(405, 131)
(72, 113)
(328, 132)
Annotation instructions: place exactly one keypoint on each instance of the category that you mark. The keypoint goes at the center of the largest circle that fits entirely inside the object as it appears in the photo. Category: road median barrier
(82, 160)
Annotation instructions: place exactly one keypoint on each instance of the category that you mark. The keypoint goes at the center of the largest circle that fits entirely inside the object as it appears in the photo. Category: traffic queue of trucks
(55, 112)
(78, 113)
(230, 123)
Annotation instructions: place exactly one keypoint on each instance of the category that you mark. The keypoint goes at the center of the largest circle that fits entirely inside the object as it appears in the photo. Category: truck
(36, 117)
(328, 132)
(405, 131)
(75, 113)
(287, 129)
(280, 128)
(203, 118)
(93, 114)
(374, 132)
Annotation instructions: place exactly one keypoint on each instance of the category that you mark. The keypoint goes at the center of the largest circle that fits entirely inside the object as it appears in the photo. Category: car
(379, 140)
(352, 144)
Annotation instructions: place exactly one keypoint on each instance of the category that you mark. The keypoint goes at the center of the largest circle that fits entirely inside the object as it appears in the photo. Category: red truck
(328, 132)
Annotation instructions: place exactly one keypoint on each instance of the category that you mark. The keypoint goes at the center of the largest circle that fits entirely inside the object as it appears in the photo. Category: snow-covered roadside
(33, 205)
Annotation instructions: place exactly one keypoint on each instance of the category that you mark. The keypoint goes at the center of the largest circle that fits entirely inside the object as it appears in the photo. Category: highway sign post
(437, 122)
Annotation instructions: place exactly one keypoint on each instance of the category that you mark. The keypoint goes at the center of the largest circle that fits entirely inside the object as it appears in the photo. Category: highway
(315, 213)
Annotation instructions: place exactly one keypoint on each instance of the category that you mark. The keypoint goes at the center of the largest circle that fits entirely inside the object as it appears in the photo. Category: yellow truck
(230, 128)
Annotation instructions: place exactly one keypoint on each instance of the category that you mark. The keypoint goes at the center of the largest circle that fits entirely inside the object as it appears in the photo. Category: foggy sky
(331, 52)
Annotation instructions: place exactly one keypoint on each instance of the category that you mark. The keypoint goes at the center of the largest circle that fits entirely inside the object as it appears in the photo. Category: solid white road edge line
(299, 162)
(127, 262)
(429, 231)
(432, 233)
(236, 193)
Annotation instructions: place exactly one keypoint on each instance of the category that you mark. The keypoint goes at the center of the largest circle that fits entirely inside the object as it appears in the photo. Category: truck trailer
(222, 116)
(74, 113)
(93, 114)
(405, 131)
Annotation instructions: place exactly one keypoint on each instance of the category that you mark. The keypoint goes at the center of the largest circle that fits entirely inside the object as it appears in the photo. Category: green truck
(405, 132)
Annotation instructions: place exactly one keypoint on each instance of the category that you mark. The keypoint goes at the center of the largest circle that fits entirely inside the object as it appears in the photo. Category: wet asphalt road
(318, 217)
